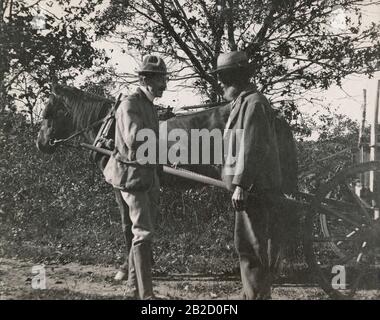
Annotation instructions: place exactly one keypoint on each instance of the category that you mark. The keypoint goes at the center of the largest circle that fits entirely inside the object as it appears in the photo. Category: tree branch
(168, 26)
(147, 16)
(209, 17)
(10, 82)
(191, 31)
(230, 26)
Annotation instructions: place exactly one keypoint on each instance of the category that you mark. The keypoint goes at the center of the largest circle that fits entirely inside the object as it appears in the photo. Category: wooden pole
(361, 144)
(206, 105)
(364, 114)
(374, 145)
(182, 173)
(374, 136)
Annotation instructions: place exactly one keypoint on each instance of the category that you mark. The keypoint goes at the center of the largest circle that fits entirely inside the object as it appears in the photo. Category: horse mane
(85, 107)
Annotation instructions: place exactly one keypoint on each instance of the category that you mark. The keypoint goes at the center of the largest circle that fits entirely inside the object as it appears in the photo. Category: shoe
(121, 275)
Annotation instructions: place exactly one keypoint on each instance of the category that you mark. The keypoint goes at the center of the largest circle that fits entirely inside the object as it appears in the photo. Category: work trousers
(143, 209)
(258, 234)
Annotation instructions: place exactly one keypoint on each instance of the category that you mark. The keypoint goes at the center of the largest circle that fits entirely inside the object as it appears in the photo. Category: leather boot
(143, 267)
(131, 287)
(121, 275)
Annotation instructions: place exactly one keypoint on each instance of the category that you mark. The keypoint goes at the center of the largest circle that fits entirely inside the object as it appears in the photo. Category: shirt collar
(250, 88)
(147, 93)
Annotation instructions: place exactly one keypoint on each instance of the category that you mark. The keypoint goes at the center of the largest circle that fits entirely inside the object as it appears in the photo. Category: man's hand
(239, 199)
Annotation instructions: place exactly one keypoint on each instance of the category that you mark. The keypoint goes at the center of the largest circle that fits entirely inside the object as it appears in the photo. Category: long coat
(257, 165)
(135, 112)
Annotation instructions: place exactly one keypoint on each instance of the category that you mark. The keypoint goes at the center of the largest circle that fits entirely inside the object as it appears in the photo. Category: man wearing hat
(139, 185)
(254, 177)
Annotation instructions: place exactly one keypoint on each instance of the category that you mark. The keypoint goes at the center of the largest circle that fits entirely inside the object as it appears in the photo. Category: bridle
(55, 142)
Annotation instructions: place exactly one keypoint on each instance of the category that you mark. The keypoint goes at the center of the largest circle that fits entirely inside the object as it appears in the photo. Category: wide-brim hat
(152, 64)
(231, 60)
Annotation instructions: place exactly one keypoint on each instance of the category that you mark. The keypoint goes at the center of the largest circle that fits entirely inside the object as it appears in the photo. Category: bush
(57, 208)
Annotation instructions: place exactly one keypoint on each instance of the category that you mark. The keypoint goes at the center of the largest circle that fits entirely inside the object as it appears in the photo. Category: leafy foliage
(57, 209)
(33, 57)
(293, 45)
(333, 150)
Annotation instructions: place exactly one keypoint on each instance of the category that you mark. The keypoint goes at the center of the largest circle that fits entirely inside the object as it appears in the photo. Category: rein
(54, 142)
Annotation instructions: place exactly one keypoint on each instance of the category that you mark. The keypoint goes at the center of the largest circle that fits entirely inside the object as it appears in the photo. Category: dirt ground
(74, 281)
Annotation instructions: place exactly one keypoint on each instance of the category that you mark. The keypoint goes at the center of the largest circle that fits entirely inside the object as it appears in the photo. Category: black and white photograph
(208, 151)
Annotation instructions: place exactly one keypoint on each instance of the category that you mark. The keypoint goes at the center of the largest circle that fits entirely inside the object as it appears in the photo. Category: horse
(70, 110)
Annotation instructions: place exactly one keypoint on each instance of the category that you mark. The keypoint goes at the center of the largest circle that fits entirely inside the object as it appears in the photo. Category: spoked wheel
(342, 235)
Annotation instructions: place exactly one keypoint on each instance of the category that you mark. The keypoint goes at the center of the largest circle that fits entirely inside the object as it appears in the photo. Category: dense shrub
(57, 208)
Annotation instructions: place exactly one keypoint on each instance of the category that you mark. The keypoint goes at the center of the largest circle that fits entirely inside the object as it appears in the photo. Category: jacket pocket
(128, 177)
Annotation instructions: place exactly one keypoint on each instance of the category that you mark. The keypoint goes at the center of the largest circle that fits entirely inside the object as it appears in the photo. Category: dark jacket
(257, 164)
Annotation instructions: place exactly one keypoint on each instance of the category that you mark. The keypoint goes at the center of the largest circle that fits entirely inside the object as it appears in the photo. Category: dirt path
(74, 281)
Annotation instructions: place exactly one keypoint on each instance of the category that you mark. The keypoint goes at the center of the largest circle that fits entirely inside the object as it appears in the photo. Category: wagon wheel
(342, 234)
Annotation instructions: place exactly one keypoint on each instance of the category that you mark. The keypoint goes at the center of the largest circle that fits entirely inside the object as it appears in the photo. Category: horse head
(70, 109)
(56, 124)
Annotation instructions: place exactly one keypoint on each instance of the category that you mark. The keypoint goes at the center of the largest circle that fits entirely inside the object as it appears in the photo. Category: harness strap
(92, 125)
(55, 142)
